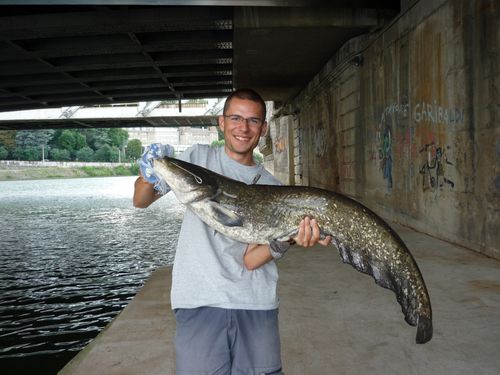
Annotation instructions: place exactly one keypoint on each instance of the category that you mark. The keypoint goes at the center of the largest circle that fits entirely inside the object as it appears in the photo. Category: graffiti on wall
(384, 139)
(385, 155)
(434, 169)
(433, 121)
(396, 140)
(436, 114)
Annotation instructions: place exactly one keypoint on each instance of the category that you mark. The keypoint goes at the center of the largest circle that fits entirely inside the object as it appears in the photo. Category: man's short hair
(247, 94)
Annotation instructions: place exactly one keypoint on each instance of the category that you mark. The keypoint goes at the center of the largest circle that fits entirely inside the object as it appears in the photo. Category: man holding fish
(224, 291)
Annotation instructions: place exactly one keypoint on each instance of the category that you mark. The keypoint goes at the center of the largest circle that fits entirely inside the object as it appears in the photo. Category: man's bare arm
(144, 193)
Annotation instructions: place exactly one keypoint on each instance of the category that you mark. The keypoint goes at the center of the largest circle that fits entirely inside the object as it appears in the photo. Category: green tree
(67, 140)
(3, 153)
(114, 155)
(29, 144)
(60, 154)
(34, 138)
(71, 140)
(80, 141)
(118, 137)
(106, 154)
(134, 149)
(8, 139)
(85, 154)
(27, 153)
(96, 138)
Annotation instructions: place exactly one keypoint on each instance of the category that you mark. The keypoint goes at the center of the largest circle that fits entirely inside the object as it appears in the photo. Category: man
(223, 291)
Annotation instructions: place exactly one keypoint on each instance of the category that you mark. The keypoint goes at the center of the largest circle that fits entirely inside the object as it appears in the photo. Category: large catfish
(260, 213)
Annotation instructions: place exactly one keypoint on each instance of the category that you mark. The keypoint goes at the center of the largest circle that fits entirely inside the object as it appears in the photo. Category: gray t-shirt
(208, 267)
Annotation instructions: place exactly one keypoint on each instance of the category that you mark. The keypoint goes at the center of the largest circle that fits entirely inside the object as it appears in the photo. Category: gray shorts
(215, 341)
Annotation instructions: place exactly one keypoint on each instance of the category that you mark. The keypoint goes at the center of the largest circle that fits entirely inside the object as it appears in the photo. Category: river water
(73, 253)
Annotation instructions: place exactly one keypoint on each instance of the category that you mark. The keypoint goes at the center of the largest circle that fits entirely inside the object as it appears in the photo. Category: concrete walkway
(335, 320)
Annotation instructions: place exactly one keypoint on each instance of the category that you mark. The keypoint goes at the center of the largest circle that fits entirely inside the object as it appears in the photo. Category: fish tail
(424, 330)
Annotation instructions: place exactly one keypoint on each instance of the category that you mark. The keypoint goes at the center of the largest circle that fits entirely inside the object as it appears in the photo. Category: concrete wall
(407, 121)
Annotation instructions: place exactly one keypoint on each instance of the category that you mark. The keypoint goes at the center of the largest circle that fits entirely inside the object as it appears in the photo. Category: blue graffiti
(386, 156)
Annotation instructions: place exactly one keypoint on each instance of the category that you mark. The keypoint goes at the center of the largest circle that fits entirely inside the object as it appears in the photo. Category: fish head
(189, 182)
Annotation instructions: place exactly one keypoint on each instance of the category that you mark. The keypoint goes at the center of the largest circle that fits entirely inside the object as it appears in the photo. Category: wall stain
(320, 141)
(279, 145)
(486, 285)
(496, 179)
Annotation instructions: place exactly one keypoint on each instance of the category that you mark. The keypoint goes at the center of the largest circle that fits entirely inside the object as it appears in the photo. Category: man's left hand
(309, 234)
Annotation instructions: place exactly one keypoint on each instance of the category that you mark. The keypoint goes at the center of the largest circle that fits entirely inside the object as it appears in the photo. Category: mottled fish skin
(260, 213)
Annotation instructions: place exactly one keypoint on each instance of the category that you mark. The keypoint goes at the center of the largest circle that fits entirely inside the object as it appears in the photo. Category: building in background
(180, 138)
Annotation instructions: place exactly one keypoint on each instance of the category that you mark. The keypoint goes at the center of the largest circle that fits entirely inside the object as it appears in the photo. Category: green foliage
(71, 140)
(107, 154)
(80, 141)
(258, 157)
(8, 139)
(114, 156)
(218, 143)
(98, 171)
(134, 149)
(134, 169)
(107, 171)
(82, 144)
(67, 140)
(102, 154)
(33, 138)
(122, 171)
(118, 137)
(17, 153)
(27, 153)
(85, 154)
(3, 153)
(58, 154)
(96, 138)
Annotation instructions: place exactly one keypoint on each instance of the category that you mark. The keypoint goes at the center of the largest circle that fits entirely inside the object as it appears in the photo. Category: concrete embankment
(23, 170)
(333, 319)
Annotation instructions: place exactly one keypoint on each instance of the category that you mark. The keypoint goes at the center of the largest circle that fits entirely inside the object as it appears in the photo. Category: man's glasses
(239, 120)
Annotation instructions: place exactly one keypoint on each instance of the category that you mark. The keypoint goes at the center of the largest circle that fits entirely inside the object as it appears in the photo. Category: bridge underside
(57, 56)
(128, 122)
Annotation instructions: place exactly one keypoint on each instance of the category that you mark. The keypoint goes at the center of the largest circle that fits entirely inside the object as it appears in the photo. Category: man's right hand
(155, 151)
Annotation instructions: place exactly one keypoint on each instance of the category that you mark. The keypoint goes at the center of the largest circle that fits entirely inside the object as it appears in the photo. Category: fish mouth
(187, 179)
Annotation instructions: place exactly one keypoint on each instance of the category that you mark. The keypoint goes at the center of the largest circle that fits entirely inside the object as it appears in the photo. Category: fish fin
(225, 216)
(386, 278)
(424, 330)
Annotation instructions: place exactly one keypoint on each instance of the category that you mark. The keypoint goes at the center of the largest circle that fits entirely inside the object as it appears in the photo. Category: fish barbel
(261, 213)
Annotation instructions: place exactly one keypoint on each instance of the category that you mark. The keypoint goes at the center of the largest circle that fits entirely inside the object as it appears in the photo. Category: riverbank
(19, 170)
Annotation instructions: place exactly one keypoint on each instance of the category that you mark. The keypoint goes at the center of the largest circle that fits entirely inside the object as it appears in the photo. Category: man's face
(242, 138)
